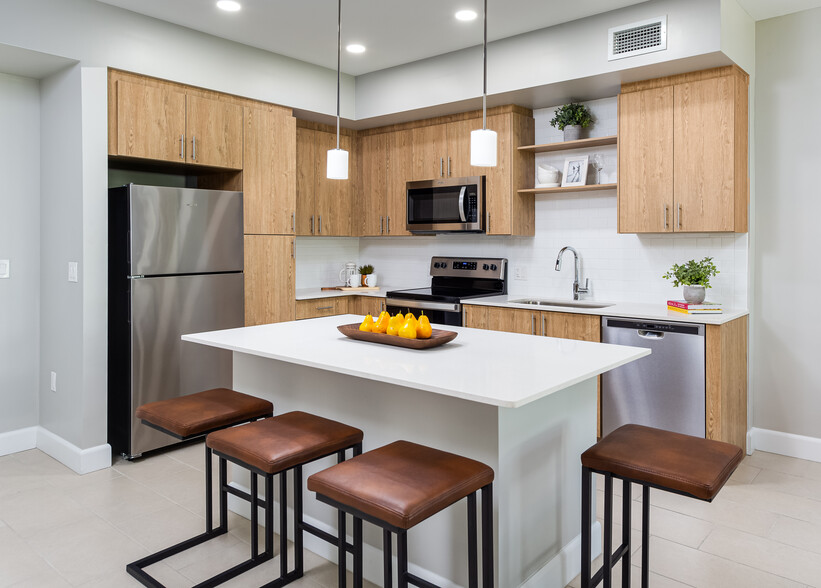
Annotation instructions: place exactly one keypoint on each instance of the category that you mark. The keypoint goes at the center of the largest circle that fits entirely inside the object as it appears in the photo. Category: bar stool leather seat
(203, 412)
(654, 458)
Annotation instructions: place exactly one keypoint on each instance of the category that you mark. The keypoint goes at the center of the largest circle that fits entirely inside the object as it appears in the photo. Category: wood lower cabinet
(160, 120)
(363, 305)
(565, 325)
(269, 279)
(323, 207)
(269, 172)
(683, 150)
(318, 307)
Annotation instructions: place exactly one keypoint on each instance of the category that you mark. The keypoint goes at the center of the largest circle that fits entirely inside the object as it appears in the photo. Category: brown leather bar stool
(400, 485)
(276, 446)
(690, 466)
(189, 417)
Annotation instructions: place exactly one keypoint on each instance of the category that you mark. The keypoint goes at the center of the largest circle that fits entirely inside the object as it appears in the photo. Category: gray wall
(787, 382)
(19, 243)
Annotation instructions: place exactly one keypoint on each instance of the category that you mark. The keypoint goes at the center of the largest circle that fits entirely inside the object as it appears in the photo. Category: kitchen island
(524, 406)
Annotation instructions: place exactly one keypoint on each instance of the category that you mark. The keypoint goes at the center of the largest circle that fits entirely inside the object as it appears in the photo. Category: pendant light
(338, 158)
(483, 141)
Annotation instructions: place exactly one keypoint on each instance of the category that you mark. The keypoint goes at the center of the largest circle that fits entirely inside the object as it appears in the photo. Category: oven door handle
(462, 205)
(425, 304)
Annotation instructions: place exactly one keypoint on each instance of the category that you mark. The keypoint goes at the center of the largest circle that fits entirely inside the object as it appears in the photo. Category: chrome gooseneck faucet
(577, 289)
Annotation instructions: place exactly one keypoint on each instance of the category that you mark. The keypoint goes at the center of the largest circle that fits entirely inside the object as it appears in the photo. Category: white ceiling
(395, 32)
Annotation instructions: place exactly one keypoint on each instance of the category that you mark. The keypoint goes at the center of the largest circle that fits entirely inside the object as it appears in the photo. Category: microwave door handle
(462, 205)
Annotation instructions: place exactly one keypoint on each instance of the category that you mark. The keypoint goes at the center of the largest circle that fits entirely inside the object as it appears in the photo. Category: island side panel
(539, 486)
(385, 413)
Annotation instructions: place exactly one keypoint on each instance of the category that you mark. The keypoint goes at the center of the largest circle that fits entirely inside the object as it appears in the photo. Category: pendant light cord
(339, 65)
(484, 75)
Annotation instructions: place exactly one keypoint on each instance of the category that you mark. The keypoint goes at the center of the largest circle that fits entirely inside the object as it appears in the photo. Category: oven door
(447, 205)
(442, 313)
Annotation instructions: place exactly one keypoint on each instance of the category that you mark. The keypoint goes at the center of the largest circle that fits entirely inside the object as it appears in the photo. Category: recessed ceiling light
(465, 15)
(228, 5)
(355, 48)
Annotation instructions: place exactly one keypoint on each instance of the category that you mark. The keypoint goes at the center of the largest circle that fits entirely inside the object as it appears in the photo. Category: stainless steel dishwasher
(666, 389)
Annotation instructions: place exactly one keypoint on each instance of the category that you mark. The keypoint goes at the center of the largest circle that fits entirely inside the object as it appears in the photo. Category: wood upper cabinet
(430, 146)
(159, 120)
(683, 150)
(323, 206)
(269, 172)
(269, 279)
(385, 160)
(507, 212)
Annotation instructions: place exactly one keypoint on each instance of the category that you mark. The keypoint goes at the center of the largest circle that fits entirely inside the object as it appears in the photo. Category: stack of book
(687, 308)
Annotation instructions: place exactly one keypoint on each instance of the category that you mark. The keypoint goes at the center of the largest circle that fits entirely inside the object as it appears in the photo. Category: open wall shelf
(566, 145)
(587, 188)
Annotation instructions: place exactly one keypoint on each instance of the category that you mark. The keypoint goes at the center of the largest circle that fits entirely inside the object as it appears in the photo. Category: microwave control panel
(472, 207)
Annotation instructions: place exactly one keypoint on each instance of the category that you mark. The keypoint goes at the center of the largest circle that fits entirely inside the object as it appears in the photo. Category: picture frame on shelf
(575, 171)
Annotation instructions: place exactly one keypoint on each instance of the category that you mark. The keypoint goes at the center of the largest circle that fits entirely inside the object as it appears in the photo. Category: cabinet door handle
(182, 146)
(448, 165)
(194, 147)
(293, 249)
(532, 324)
(441, 167)
(381, 219)
(312, 224)
(293, 222)
(679, 217)
(324, 307)
(544, 327)
(487, 222)
(664, 217)
(389, 224)
(320, 224)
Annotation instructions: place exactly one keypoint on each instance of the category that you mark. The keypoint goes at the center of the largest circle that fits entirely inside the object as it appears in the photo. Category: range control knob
(435, 264)
(485, 267)
(492, 266)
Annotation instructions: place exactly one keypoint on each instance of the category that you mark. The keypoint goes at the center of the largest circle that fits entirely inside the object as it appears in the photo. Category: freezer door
(184, 231)
(666, 389)
(162, 365)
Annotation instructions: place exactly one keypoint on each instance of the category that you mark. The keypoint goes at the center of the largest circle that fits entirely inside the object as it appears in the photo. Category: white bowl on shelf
(547, 176)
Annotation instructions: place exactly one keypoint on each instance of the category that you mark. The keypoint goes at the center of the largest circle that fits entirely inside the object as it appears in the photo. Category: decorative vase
(572, 132)
(695, 294)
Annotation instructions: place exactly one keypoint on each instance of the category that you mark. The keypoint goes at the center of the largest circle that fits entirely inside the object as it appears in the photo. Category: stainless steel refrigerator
(175, 261)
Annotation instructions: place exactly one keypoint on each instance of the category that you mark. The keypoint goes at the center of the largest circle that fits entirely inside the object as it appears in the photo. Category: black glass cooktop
(440, 294)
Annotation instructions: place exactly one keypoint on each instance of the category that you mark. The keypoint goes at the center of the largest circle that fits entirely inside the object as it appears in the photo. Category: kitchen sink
(568, 303)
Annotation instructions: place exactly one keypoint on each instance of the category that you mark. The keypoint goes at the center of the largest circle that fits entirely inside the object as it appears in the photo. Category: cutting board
(352, 289)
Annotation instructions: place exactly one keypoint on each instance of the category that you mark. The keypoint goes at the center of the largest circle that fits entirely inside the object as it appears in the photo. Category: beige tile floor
(59, 529)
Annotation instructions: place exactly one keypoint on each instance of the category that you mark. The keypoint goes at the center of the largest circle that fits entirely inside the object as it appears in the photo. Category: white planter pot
(695, 294)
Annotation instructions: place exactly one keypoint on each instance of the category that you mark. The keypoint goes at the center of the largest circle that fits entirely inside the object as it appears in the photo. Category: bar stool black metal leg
(223, 483)
(488, 580)
(342, 552)
(473, 566)
(269, 515)
(645, 537)
(402, 558)
(587, 477)
(358, 574)
(607, 551)
(209, 499)
(625, 532)
(283, 523)
(387, 558)
(254, 517)
(299, 560)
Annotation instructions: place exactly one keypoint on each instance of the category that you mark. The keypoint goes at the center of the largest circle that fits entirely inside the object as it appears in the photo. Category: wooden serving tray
(437, 337)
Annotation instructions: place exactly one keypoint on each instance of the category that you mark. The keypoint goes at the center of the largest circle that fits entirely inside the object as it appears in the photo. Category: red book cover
(684, 305)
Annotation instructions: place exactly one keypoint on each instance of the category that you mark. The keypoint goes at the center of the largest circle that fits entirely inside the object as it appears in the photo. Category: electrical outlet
(72, 271)
(519, 272)
(54, 381)
(4, 268)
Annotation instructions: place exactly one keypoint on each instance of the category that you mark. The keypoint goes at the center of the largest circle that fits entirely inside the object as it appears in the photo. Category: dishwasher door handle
(650, 334)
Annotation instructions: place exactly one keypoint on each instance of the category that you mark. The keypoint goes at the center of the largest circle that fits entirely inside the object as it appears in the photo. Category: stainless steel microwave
(447, 205)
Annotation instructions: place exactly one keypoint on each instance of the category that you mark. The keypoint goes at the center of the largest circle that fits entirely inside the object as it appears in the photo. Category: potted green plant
(368, 277)
(694, 276)
(571, 119)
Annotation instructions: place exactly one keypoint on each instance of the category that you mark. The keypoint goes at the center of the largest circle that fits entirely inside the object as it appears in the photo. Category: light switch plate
(4, 268)
(72, 271)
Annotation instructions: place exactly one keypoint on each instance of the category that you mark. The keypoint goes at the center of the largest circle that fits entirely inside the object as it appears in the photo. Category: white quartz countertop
(501, 369)
(311, 293)
(619, 309)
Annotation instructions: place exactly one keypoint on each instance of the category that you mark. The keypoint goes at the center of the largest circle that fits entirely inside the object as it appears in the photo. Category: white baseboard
(788, 444)
(559, 571)
(19, 440)
(81, 461)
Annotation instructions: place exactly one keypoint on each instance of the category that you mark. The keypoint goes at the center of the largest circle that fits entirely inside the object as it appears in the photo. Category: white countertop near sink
(620, 309)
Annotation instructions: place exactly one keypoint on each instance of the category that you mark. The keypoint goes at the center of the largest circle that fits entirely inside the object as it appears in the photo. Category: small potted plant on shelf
(571, 119)
(694, 276)
(368, 278)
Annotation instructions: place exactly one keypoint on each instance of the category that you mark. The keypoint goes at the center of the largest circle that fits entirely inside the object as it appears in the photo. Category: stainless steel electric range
(453, 279)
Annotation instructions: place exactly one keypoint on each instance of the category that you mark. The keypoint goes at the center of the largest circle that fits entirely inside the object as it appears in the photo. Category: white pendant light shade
(483, 148)
(338, 164)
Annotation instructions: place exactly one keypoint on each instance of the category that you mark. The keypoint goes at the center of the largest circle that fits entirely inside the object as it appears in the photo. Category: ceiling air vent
(637, 38)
